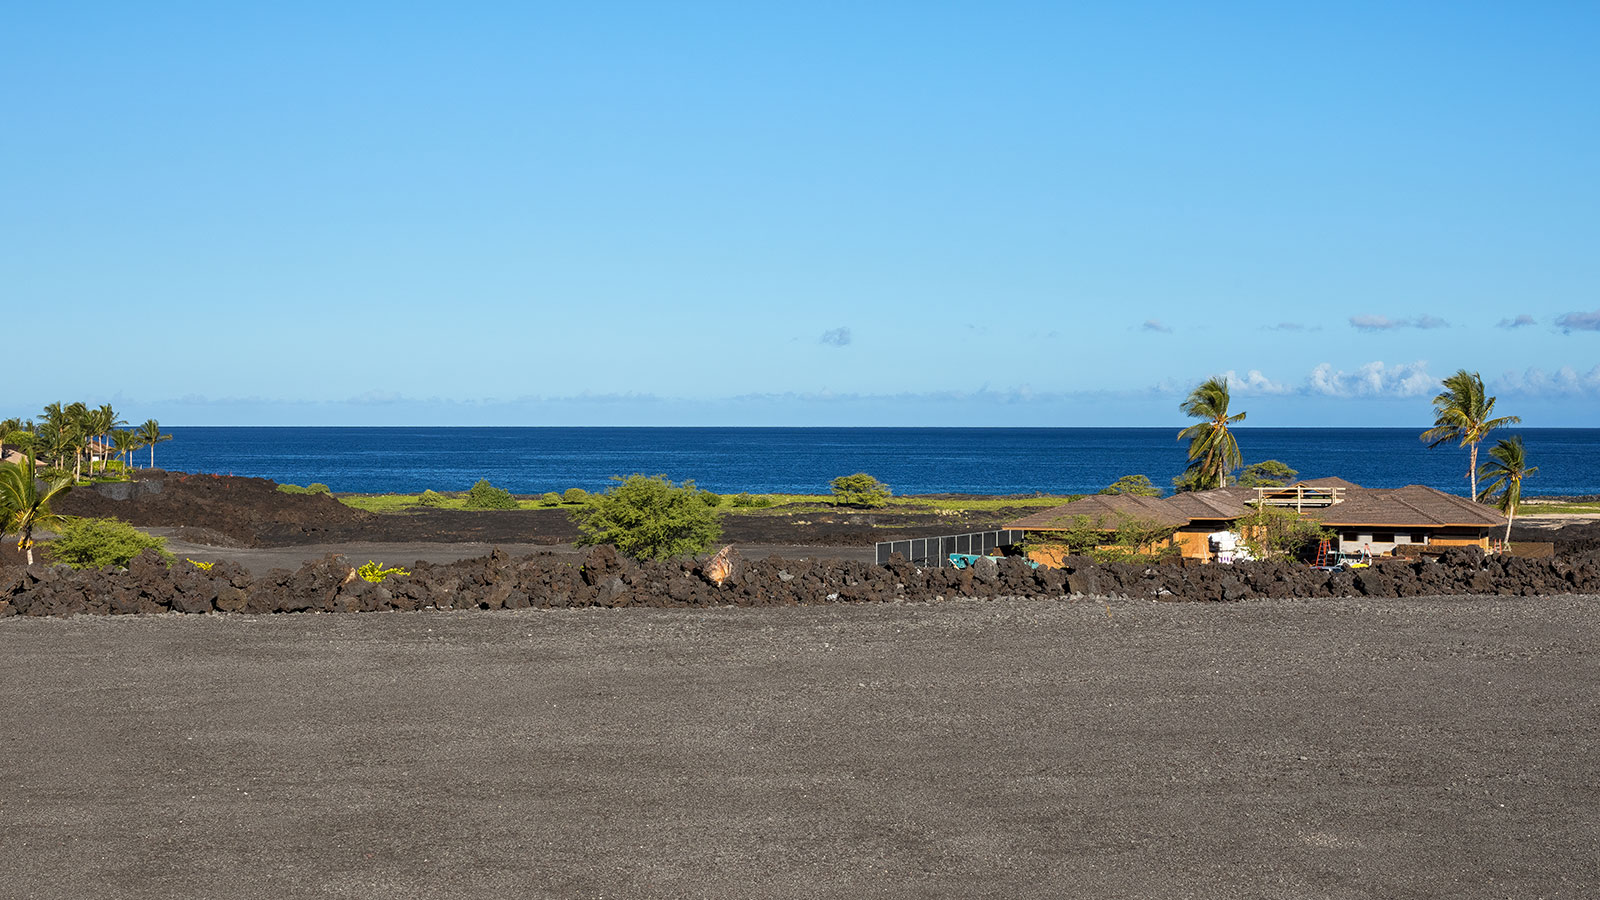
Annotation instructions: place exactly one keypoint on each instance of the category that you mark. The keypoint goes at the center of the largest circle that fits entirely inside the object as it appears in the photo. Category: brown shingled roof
(1413, 505)
(1331, 481)
(1103, 511)
(1410, 505)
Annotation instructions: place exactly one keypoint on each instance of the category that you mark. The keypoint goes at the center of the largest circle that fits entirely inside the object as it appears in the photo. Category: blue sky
(819, 214)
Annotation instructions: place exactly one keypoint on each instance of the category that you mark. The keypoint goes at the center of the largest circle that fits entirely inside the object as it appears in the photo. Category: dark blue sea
(804, 460)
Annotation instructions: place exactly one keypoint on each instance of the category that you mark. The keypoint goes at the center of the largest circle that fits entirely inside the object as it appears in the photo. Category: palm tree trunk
(1472, 471)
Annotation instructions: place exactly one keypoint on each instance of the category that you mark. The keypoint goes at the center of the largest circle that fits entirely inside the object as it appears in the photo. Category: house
(1371, 519)
(16, 458)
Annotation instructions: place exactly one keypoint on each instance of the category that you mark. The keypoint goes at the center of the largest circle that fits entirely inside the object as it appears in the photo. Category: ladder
(1322, 554)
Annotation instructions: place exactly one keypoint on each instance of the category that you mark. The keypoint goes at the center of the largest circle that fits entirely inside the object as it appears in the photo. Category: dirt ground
(260, 560)
(227, 511)
(1444, 748)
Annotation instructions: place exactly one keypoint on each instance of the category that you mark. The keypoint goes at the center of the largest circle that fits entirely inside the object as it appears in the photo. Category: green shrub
(1273, 532)
(574, 495)
(1267, 473)
(860, 490)
(1137, 485)
(746, 501)
(376, 573)
(430, 498)
(648, 518)
(93, 543)
(315, 487)
(550, 498)
(711, 499)
(484, 495)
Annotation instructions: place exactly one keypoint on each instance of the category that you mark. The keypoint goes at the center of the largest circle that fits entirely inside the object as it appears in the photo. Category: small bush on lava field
(93, 543)
(315, 487)
(574, 495)
(430, 497)
(747, 501)
(484, 495)
(376, 573)
(550, 498)
(860, 490)
(711, 499)
(648, 518)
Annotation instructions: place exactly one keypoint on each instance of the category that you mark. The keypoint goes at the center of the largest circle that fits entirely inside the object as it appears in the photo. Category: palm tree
(1508, 465)
(6, 427)
(54, 429)
(125, 441)
(1461, 412)
(101, 423)
(150, 435)
(79, 416)
(1213, 451)
(23, 507)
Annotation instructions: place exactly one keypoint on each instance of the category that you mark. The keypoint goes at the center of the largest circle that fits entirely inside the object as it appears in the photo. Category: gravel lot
(1438, 748)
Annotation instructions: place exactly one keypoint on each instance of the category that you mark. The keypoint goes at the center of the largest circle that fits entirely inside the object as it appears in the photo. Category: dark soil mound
(249, 512)
(9, 554)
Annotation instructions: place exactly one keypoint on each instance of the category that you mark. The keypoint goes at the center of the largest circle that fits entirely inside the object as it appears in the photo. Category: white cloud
(1253, 382)
(1563, 382)
(1579, 321)
(1373, 323)
(1375, 379)
(1156, 326)
(1384, 323)
(835, 337)
(1518, 322)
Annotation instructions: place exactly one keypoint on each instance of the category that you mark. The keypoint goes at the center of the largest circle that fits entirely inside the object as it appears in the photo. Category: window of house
(1349, 536)
(1383, 537)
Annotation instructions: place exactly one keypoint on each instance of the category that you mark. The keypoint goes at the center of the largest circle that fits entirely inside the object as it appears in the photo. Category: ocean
(804, 460)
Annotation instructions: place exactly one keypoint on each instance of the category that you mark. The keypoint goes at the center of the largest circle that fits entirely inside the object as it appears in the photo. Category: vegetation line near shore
(775, 504)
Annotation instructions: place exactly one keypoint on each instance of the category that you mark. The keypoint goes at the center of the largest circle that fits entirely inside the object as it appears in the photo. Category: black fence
(935, 551)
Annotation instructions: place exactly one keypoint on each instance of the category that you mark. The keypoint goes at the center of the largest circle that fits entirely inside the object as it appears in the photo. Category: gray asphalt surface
(1439, 748)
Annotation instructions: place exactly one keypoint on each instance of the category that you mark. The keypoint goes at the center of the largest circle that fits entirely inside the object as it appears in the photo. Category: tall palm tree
(111, 421)
(1213, 451)
(1462, 412)
(23, 507)
(79, 417)
(1508, 465)
(150, 435)
(125, 441)
(101, 421)
(54, 430)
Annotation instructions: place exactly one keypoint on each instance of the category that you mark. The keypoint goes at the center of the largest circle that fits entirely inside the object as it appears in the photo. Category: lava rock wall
(500, 581)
